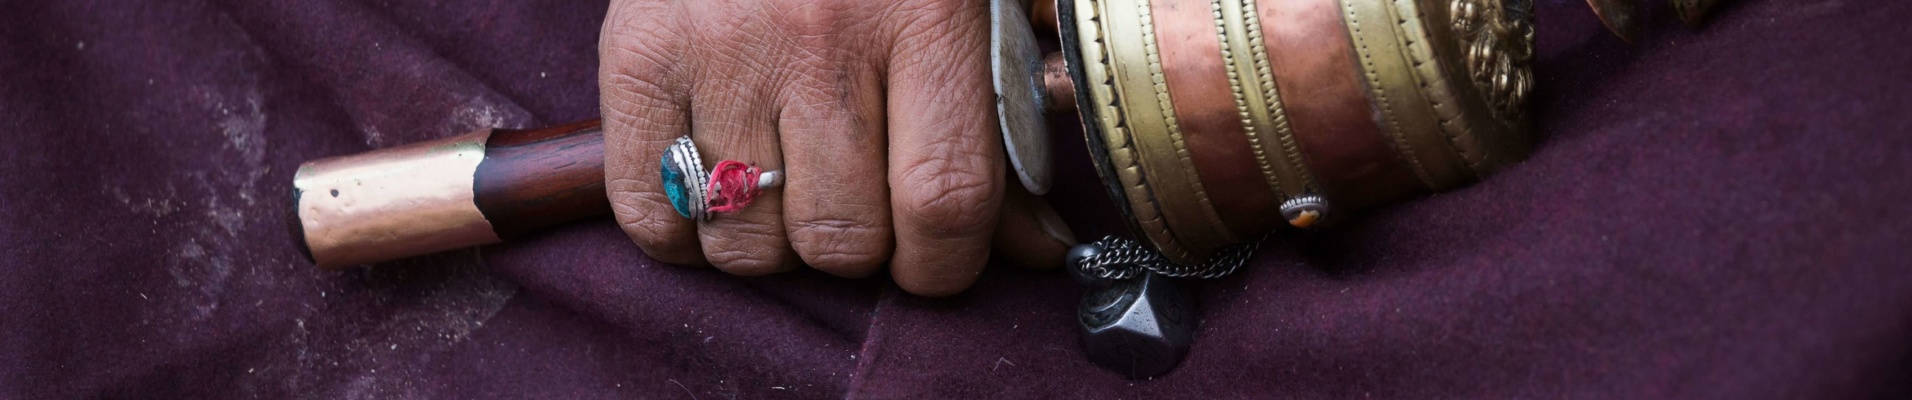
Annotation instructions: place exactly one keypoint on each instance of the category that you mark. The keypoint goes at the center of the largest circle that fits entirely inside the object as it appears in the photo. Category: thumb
(1030, 234)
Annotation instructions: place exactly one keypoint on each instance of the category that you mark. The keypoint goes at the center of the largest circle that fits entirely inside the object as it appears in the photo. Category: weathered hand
(879, 113)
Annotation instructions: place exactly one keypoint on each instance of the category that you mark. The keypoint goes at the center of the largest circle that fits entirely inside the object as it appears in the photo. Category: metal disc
(1017, 63)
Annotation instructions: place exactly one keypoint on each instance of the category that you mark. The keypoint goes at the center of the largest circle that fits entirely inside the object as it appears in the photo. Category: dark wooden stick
(536, 178)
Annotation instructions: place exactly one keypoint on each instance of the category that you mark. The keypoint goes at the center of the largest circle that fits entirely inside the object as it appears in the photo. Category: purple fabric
(1711, 214)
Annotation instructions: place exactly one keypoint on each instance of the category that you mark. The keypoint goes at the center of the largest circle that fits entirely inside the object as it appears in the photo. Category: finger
(836, 213)
(733, 119)
(1030, 234)
(728, 125)
(946, 167)
(644, 108)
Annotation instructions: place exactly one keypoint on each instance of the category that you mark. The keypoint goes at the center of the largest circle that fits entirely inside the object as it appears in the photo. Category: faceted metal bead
(1074, 264)
(1139, 327)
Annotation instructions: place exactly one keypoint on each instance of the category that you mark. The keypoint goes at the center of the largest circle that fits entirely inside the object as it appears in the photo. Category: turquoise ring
(685, 179)
(690, 188)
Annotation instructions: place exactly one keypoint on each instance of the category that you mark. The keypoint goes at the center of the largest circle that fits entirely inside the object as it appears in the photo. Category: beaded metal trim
(1384, 32)
(1189, 184)
(1116, 139)
(1238, 28)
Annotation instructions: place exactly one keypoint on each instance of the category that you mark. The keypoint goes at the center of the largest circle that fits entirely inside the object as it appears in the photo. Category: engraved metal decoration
(1498, 36)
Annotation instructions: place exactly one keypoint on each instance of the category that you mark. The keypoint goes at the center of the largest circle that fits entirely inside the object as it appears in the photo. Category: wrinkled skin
(879, 112)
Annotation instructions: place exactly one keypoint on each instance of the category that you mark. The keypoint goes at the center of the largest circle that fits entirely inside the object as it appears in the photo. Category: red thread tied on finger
(732, 186)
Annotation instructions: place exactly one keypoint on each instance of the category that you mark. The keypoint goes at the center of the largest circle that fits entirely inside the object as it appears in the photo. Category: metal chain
(1121, 259)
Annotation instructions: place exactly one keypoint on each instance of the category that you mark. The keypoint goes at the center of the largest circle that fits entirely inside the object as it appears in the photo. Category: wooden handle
(536, 178)
(528, 179)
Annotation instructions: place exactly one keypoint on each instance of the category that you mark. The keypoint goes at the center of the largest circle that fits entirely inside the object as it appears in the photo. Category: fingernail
(1052, 224)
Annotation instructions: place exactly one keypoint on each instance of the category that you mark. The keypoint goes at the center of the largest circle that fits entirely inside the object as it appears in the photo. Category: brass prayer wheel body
(1204, 116)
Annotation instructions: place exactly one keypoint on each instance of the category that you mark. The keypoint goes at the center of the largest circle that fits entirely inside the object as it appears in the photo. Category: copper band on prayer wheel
(1197, 77)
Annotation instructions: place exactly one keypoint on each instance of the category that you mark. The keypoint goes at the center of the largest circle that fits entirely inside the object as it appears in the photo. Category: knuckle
(948, 197)
(823, 29)
(937, 11)
(635, 101)
(637, 81)
(725, 46)
(935, 21)
(637, 215)
(744, 263)
(808, 18)
(747, 249)
(635, 35)
(840, 244)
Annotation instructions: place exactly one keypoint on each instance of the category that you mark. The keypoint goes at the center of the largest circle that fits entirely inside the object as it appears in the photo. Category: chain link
(1120, 259)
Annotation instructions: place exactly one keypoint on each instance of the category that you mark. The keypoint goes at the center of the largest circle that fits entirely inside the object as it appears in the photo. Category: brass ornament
(1144, 139)
(1391, 52)
(1485, 115)
(1167, 159)
(1500, 49)
(1238, 28)
(1122, 160)
(1184, 194)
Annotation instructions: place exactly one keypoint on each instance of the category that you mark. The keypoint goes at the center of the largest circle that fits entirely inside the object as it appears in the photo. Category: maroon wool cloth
(1709, 214)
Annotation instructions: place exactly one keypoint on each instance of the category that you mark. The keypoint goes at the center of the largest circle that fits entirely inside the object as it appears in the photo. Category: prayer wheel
(1212, 122)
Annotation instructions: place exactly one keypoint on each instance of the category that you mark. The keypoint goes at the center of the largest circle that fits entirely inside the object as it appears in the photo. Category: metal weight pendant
(1139, 327)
